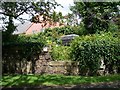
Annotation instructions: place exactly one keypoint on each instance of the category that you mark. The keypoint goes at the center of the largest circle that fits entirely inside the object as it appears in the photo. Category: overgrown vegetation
(55, 33)
(88, 49)
(53, 80)
(19, 50)
(14, 10)
(60, 53)
(96, 16)
(91, 49)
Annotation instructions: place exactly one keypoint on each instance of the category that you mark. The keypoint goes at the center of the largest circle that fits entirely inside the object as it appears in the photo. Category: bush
(89, 50)
(20, 50)
(80, 30)
(113, 27)
(66, 30)
(60, 53)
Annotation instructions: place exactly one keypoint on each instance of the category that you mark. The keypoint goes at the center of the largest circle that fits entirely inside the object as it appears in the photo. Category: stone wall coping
(62, 63)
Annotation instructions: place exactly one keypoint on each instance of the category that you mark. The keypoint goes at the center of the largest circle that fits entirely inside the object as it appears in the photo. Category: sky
(65, 3)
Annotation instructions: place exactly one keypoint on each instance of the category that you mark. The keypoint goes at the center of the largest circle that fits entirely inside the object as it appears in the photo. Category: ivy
(21, 49)
(89, 50)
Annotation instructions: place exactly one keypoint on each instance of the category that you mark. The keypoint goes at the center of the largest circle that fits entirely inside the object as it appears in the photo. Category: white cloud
(66, 4)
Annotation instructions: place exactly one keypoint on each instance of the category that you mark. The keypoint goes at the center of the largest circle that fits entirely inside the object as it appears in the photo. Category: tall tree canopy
(13, 10)
(96, 15)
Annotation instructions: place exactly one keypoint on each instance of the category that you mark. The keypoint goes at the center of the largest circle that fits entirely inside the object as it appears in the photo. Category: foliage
(90, 50)
(113, 27)
(117, 20)
(60, 53)
(31, 38)
(53, 80)
(21, 49)
(96, 16)
(13, 10)
(39, 38)
(71, 19)
(80, 30)
(26, 43)
(57, 17)
(55, 33)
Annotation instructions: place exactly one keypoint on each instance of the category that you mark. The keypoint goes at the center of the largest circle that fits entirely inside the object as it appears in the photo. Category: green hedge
(89, 50)
(27, 44)
(55, 33)
(20, 50)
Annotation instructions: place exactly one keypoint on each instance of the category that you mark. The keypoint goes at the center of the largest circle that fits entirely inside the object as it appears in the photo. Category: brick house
(32, 28)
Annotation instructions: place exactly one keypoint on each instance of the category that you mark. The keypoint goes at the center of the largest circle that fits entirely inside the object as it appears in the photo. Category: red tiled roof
(37, 27)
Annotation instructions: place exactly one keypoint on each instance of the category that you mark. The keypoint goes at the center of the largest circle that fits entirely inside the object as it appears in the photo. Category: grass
(53, 80)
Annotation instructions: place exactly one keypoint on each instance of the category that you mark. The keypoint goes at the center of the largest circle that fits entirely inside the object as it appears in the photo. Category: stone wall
(57, 67)
(44, 65)
(41, 64)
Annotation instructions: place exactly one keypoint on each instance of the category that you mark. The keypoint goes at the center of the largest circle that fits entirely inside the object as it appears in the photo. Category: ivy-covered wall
(90, 50)
(20, 49)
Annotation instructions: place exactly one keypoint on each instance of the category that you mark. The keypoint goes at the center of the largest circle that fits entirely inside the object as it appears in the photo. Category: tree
(56, 17)
(13, 10)
(71, 19)
(96, 15)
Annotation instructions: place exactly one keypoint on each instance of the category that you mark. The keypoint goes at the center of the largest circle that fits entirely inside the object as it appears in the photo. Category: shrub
(80, 30)
(22, 49)
(54, 34)
(89, 50)
(60, 52)
(66, 30)
(113, 27)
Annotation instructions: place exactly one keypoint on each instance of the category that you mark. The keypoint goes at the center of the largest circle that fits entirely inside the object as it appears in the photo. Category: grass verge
(53, 80)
